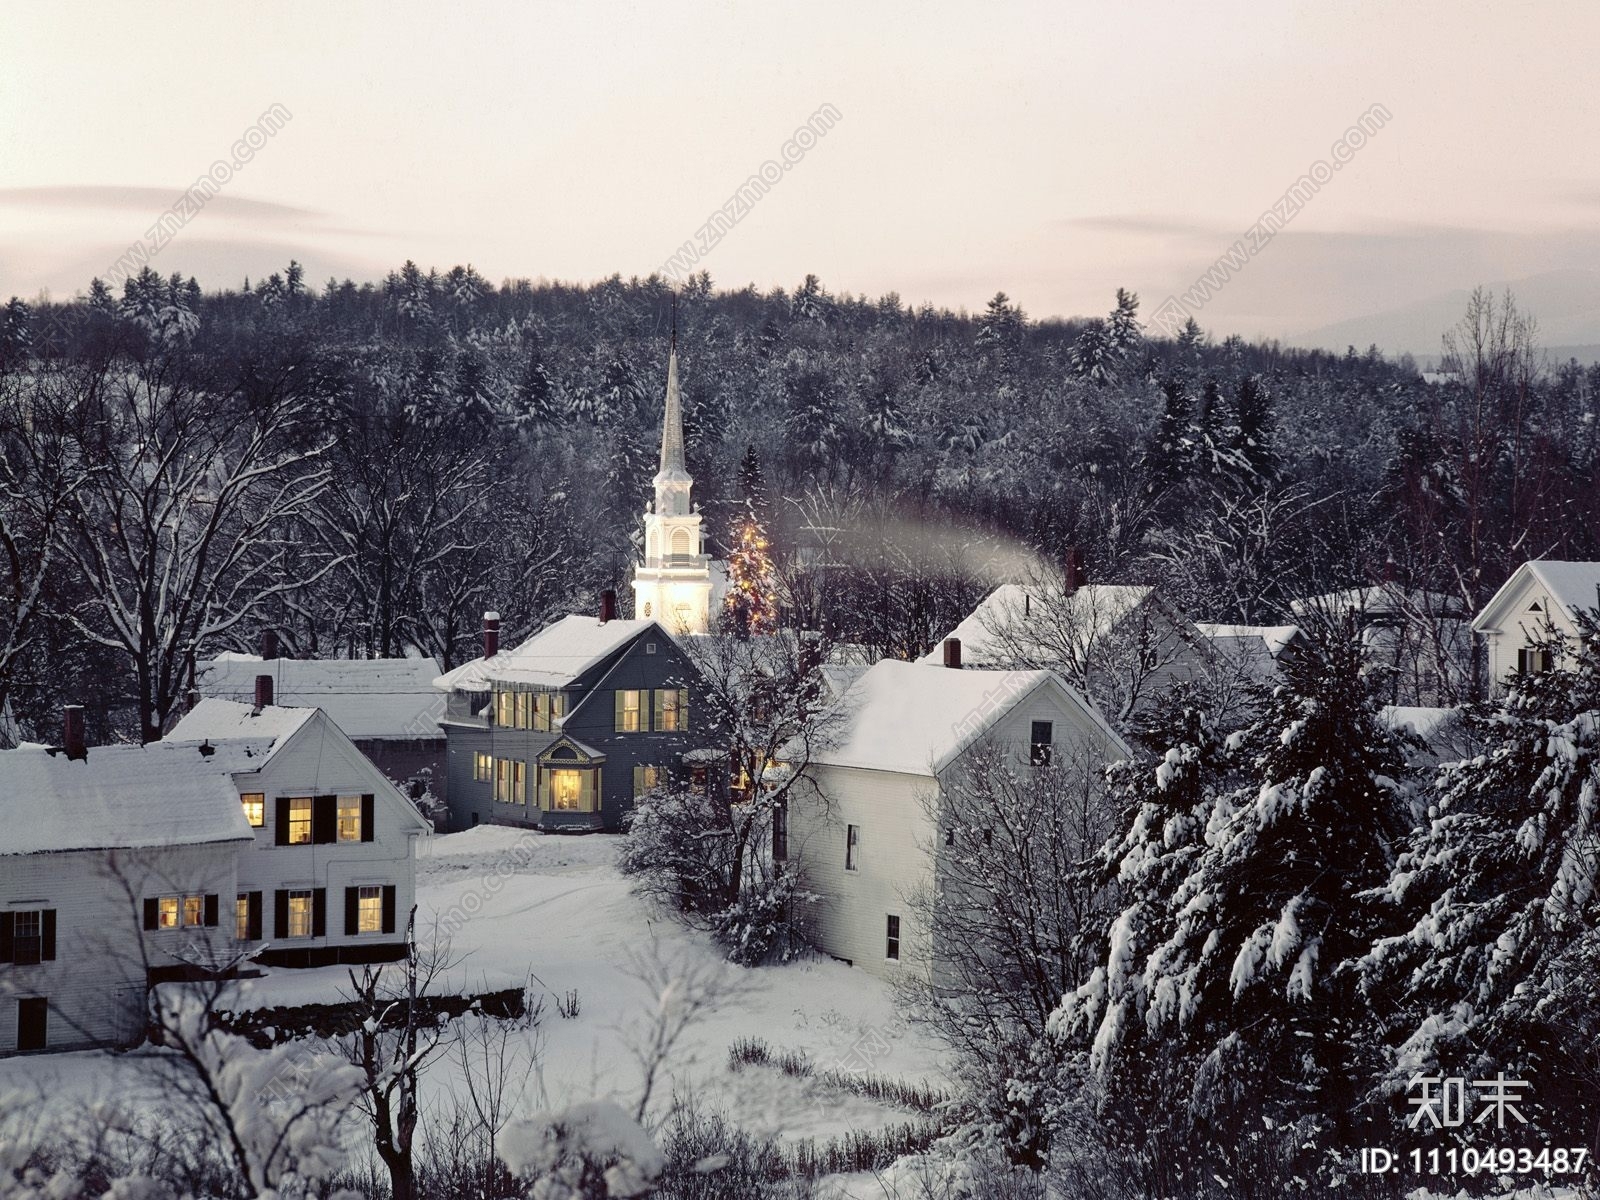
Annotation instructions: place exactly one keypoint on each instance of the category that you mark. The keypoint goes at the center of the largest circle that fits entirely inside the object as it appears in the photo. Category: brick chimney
(491, 634)
(269, 644)
(263, 692)
(72, 738)
(1072, 569)
(608, 605)
(952, 653)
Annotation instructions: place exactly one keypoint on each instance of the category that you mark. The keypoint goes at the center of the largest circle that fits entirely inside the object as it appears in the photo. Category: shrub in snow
(583, 1152)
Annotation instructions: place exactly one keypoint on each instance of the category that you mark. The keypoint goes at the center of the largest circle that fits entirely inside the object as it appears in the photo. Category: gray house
(565, 730)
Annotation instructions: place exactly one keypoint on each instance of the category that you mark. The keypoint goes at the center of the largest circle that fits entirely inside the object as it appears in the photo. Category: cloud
(121, 198)
(1146, 226)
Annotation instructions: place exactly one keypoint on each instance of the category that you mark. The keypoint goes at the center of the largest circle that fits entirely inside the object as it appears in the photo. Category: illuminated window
(548, 711)
(631, 715)
(300, 820)
(505, 709)
(255, 808)
(171, 909)
(349, 818)
(241, 917)
(646, 779)
(502, 780)
(300, 914)
(567, 791)
(482, 767)
(524, 710)
(194, 910)
(672, 709)
(369, 910)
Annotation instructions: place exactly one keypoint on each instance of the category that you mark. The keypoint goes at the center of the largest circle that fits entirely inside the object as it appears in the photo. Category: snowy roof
(1034, 620)
(117, 797)
(367, 698)
(243, 736)
(553, 657)
(1572, 585)
(916, 719)
(1274, 639)
(1378, 599)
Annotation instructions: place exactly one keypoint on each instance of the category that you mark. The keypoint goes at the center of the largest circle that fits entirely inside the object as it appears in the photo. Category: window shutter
(319, 912)
(47, 935)
(388, 908)
(683, 710)
(281, 833)
(252, 919)
(368, 808)
(352, 911)
(152, 913)
(325, 820)
(620, 725)
(211, 909)
(7, 924)
(280, 914)
(658, 709)
(544, 789)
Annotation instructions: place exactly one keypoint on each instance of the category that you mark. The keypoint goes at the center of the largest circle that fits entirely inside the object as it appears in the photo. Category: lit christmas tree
(752, 601)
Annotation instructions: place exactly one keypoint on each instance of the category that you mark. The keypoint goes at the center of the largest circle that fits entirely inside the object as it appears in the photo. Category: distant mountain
(1566, 304)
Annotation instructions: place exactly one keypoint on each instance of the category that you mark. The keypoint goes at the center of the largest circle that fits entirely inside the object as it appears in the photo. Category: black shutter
(368, 829)
(252, 920)
(319, 912)
(152, 913)
(8, 923)
(280, 914)
(47, 935)
(388, 908)
(211, 909)
(352, 911)
(281, 837)
(325, 820)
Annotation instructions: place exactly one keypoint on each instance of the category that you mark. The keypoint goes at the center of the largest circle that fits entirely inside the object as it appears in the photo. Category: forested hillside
(366, 468)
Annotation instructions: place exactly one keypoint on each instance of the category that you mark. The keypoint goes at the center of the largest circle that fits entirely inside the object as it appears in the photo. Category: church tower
(673, 583)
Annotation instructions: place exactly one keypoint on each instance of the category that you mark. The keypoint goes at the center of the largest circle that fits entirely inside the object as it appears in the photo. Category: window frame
(640, 711)
(309, 913)
(362, 908)
(295, 821)
(343, 806)
(255, 808)
(1041, 750)
(482, 766)
(19, 939)
(852, 847)
(669, 710)
(891, 938)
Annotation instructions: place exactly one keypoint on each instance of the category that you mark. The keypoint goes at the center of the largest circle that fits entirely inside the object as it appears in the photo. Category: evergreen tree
(812, 423)
(536, 394)
(1495, 968)
(1001, 331)
(1253, 428)
(1122, 329)
(1166, 459)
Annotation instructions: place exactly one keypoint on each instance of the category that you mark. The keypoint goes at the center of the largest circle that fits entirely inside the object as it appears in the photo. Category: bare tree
(175, 532)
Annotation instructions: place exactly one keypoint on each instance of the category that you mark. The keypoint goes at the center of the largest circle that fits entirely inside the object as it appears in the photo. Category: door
(31, 1014)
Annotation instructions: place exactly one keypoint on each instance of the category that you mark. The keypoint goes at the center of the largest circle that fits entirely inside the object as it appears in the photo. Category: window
(519, 781)
(672, 709)
(299, 820)
(194, 910)
(27, 938)
(891, 948)
(1533, 660)
(482, 767)
(300, 905)
(369, 910)
(852, 847)
(349, 818)
(505, 709)
(524, 710)
(255, 808)
(780, 832)
(1039, 739)
(241, 917)
(649, 647)
(571, 790)
(631, 715)
(170, 911)
(547, 709)
(646, 779)
(502, 780)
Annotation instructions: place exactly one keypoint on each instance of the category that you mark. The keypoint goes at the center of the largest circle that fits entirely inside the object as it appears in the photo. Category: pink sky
(1056, 151)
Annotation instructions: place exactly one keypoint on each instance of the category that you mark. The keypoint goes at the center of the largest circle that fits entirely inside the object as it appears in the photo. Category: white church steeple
(673, 583)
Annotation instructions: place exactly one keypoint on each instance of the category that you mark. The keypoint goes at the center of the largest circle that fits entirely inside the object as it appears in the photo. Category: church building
(673, 584)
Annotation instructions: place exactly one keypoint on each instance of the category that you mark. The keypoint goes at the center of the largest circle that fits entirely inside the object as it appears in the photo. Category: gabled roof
(1037, 622)
(554, 657)
(1572, 585)
(367, 698)
(118, 797)
(916, 719)
(242, 736)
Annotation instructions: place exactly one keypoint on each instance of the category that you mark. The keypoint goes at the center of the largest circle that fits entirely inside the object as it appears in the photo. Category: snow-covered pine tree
(1496, 967)
(1253, 429)
(1249, 984)
(1167, 456)
(1122, 328)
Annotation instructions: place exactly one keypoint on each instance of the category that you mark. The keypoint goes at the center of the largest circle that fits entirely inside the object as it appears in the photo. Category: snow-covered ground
(554, 911)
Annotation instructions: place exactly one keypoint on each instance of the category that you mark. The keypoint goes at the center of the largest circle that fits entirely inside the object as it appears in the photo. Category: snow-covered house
(94, 842)
(1542, 596)
(388, 706)
(1123, 642)
(1254, 651)
(565, 729)
(329, 873)
(1423, 636)
(860, 825)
